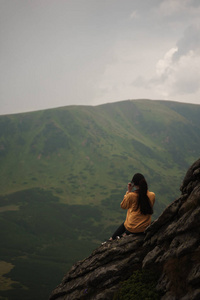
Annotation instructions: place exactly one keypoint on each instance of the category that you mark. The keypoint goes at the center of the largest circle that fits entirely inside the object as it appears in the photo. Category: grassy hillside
(63, 175)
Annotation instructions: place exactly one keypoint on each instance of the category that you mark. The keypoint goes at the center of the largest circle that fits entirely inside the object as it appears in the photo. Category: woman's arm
(125, 204)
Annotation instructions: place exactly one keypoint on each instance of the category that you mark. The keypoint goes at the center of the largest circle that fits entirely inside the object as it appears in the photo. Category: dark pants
(121, 229)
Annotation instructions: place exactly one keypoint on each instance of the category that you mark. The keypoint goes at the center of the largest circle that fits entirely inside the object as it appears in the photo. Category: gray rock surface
(170, 247)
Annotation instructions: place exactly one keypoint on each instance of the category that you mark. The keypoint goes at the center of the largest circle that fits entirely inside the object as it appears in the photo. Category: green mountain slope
(64, 172)
(70, 150)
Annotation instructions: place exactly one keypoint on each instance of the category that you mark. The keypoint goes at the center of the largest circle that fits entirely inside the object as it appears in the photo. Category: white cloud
(178, 73)
(178, 7)
(134, 15)
(164, 65)
(170, 7)
(186, 74)
(189, 41)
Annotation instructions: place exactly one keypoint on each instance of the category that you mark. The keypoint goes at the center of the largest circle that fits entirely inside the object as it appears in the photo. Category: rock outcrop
(171, 248)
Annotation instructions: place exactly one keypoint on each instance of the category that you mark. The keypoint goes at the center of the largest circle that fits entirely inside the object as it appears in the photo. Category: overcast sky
(88, 52)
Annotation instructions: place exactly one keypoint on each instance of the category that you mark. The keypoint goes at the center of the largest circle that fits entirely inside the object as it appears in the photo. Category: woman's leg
(134, 233)
(128, 232)
(120, 230)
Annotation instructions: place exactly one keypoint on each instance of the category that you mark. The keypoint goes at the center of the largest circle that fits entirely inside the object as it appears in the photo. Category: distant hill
(64, 172)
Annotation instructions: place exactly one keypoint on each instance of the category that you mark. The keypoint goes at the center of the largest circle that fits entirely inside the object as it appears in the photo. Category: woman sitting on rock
(139, 204)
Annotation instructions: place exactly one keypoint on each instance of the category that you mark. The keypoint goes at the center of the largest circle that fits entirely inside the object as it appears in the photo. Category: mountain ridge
(114, 119)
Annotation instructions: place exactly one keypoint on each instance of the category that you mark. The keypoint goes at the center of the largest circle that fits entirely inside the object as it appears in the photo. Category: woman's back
(136, 221)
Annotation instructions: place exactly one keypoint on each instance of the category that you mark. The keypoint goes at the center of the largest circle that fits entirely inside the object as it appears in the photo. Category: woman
(139, 204)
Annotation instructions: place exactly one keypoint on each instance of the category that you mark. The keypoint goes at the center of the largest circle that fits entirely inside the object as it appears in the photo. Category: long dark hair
(143, 200)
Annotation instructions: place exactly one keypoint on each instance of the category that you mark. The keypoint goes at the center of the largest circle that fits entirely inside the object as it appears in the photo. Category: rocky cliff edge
(170, 248)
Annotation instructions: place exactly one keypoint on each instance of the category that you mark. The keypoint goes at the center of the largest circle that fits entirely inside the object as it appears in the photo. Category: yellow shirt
(135, 221)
